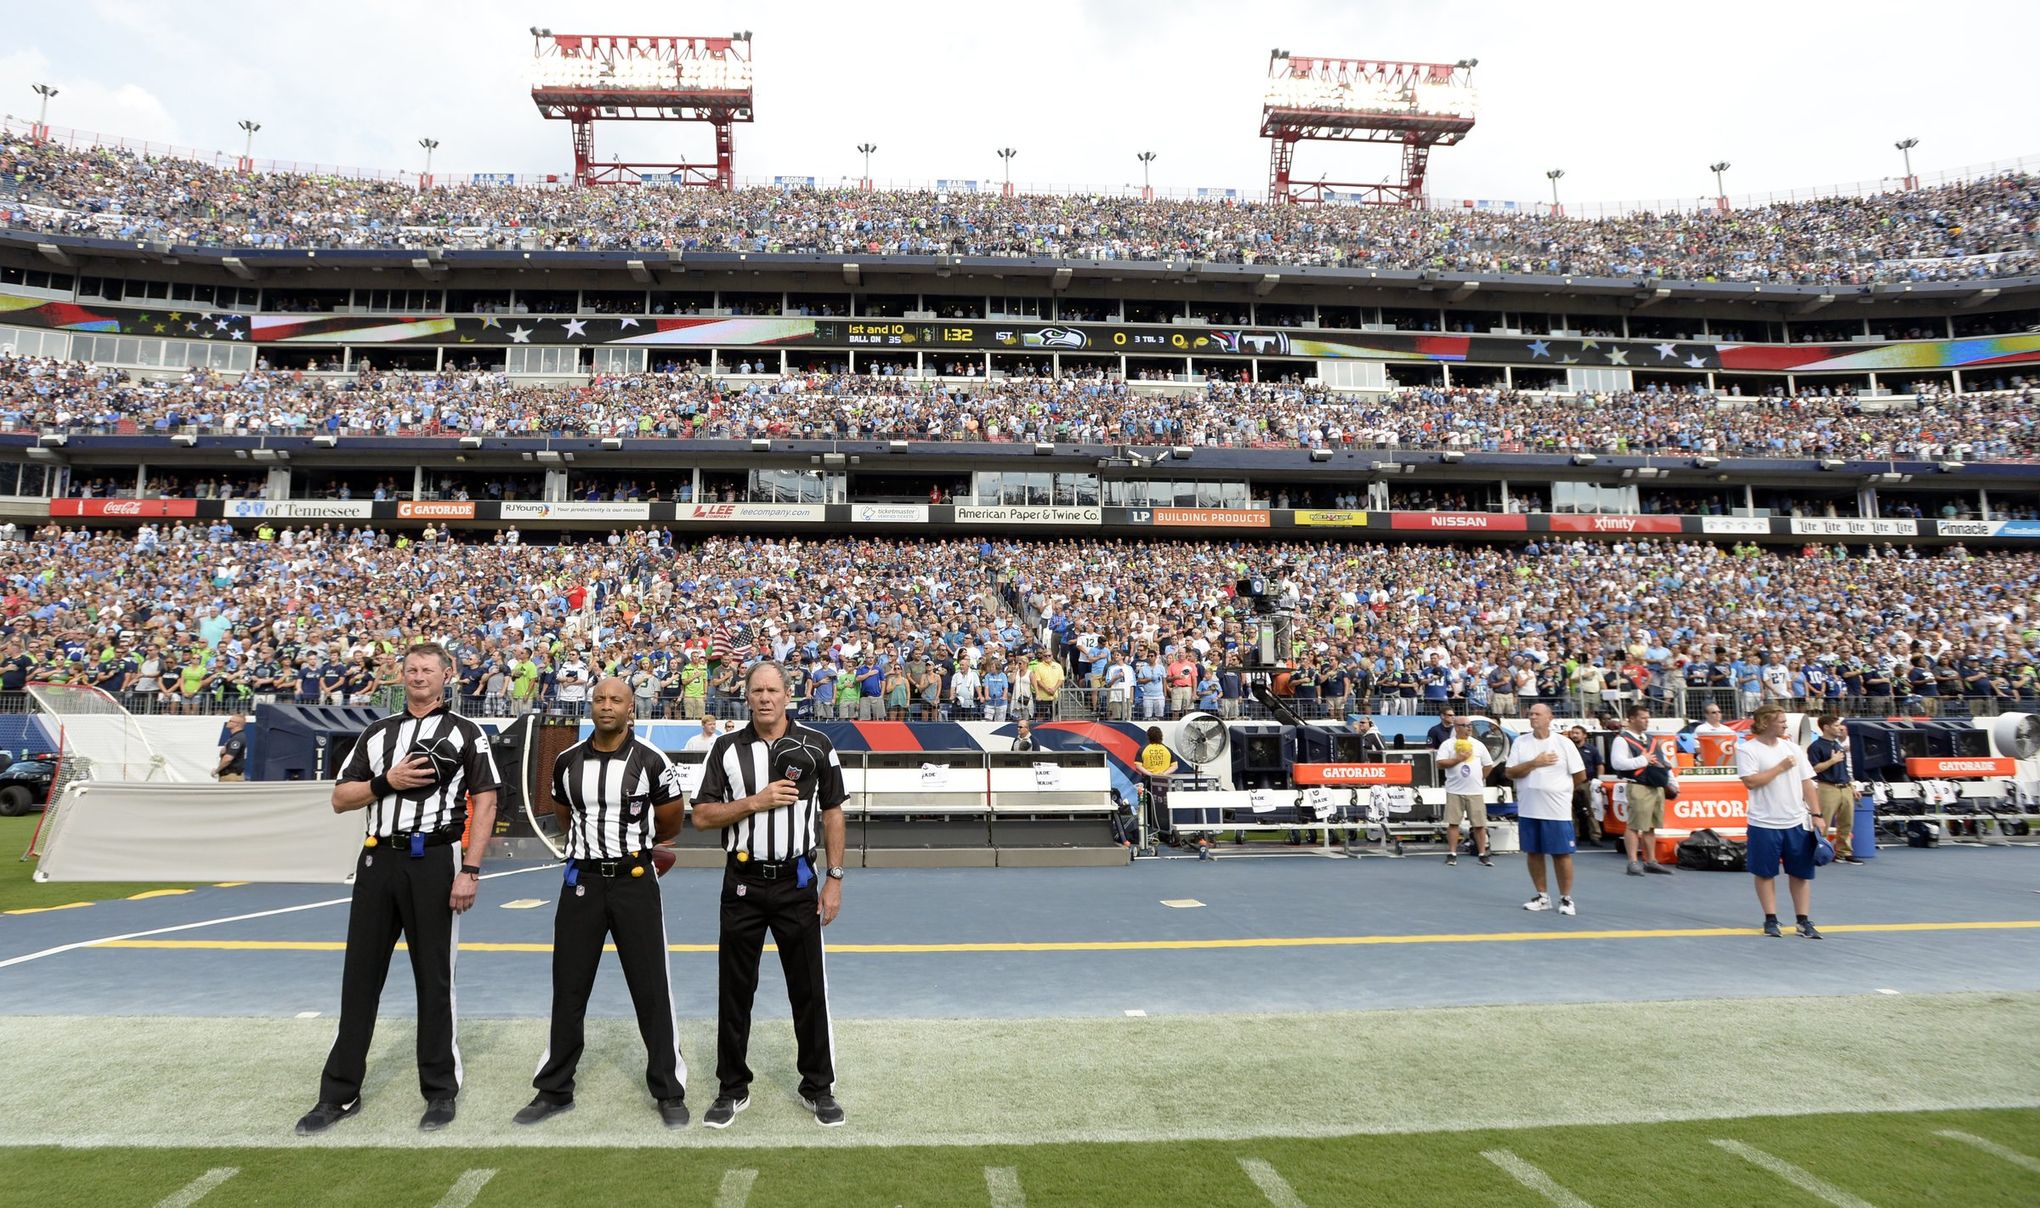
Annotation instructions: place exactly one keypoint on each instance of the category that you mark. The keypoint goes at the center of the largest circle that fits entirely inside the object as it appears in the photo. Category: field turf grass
(1881, 1159)
(18, 887)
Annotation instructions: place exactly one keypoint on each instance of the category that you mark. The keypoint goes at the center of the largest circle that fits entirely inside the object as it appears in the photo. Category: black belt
(762, 870)
(402, 842)
(611, 869)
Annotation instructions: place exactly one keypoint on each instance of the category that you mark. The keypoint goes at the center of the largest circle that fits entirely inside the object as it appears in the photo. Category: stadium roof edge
(454, 260)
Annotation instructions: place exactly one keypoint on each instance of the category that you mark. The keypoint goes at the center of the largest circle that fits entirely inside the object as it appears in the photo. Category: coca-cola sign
(137, 509)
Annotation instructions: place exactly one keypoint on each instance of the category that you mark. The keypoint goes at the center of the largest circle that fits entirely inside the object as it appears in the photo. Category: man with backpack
(1642, 765)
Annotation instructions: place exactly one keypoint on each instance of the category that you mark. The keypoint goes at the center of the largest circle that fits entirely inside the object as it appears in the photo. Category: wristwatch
(836, 873)
(473, 870)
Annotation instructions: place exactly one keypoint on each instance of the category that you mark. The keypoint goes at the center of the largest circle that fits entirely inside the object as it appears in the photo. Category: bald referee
(416, 773)
(774, 788)
(614, 795)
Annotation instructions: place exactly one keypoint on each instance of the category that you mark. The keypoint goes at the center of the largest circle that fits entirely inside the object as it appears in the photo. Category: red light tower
(585, 78)
(1419, 105)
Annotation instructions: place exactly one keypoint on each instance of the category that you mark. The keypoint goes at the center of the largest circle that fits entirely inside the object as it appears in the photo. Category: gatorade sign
(1959, 769)
(1350, 774)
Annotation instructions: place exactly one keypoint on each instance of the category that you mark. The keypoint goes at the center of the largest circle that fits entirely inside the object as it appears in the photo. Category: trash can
(1864, 841)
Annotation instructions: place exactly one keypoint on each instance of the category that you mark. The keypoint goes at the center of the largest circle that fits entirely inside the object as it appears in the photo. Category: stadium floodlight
(1181, 452)
(42, 115)
(1452, 456)
(1415, 106)
(1320, 454)
(865, 149)
(1832, 463)
(1951, 466)
(1554, 176)
(1584, 459)
(1006, 155)
(1706, 463)
(1720, 192)
(249, 128)
(1904, 147)
(1147, 192)
(583, 78)
(430, 145)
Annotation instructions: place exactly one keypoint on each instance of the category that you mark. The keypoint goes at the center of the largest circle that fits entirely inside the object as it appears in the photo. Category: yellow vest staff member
(1157, 764)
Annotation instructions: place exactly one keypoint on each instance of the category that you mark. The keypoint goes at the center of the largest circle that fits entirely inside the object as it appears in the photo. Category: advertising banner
(1614, 524)
(1211, 518)
(800, 513)
(435, 509)
(1488, 522)
(1959, 769)
(151, 509)
(298, 509)
(1336, 518)
(1353, 773)
(1853, 526)
(1027, 514)
(576, 511)
(1741, 526)
(889, 513)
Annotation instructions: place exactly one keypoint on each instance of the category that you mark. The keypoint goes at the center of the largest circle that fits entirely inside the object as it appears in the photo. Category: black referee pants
(749, 908)
(628, 908)
(397, 895)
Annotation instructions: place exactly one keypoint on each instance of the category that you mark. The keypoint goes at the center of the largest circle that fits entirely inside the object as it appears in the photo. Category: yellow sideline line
(1307, 941)
(46, 909)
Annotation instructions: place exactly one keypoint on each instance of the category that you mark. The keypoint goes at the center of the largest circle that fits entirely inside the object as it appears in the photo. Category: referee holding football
(417, 773)
(774, 787)
(614, 795)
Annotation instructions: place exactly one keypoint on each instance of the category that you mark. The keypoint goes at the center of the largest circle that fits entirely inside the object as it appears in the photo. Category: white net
(101, 739)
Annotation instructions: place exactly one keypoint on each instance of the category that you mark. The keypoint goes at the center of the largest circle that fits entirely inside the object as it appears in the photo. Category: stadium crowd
(1983, 228)
(48, 395)
(195, 617)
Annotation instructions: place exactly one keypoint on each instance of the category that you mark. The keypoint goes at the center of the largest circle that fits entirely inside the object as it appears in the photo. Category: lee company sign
(1352, 773)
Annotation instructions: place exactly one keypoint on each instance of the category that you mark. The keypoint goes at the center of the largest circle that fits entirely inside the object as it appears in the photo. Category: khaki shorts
(1646, 807)
(1470, 808)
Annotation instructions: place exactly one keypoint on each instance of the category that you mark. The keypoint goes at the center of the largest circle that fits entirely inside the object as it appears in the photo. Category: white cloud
(86, 103)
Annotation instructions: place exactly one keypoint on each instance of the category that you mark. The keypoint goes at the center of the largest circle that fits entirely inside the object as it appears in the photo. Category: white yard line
(1272, 1185)
(1993, 1149)
(198, 1188)
(1535, 1179)
(1807, 1181)
(736, 1188)
(465, 1189)
(1003, 1184)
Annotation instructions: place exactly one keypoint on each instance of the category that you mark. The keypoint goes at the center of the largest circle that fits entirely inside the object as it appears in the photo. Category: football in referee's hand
(662, 859)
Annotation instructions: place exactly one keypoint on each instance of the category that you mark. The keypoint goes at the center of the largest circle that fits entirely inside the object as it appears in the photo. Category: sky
(1632, 100)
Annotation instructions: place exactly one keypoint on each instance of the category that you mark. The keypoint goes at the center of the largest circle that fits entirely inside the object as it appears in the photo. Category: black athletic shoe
(1486, 861)
(541, 1109)
(1771, 929)
(724, 1110)
(1451, 859)
(674, 1112)
(828, 1113)
(1853, 860)
(325, 1116)
(438, 1114)
(1806, 930)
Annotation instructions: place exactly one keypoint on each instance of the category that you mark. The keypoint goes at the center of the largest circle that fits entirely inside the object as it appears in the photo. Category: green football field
(1967, 1159)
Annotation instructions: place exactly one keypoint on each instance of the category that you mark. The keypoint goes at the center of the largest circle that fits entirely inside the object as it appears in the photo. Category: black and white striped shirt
(459, 749)
(613, 795)
(738, 765)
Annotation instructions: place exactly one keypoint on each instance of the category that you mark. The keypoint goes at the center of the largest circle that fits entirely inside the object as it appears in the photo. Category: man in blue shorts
(1782, 806)
(1546, 768)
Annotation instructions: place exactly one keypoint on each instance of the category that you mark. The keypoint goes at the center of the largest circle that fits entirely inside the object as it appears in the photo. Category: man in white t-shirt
(1782, 806)
(1546, 767)
(1465, 763)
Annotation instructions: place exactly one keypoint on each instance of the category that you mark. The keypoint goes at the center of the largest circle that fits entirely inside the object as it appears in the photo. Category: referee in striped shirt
(417, 773)
(615, 795)
(774, 788)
